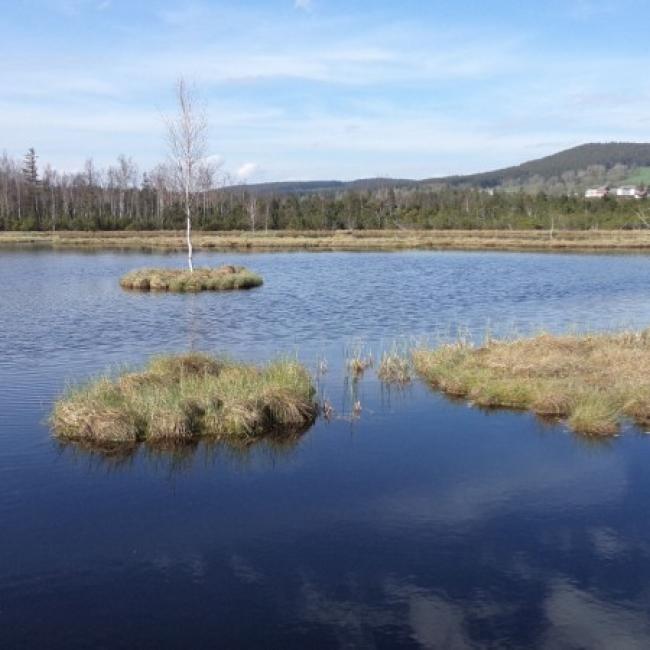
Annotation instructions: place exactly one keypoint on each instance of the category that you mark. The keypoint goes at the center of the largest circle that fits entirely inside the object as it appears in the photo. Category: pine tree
(32, 194)
(30, 167)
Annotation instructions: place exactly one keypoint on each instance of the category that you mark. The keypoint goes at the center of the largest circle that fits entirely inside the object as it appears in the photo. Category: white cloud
(247, 170)
(215, 159)
(334, 99)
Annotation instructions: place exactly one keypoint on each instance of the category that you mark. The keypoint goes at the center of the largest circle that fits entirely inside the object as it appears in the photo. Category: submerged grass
(224, 278)
(180, 398)
(592, 381)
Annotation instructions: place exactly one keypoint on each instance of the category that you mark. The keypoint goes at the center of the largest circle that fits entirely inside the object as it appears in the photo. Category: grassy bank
(592, 381)
(224, 278)
(180, 398)
(358, 240)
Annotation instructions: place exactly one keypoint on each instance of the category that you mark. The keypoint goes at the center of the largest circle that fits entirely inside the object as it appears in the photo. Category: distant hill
(303, 187)
(632, 154)
(608, 154)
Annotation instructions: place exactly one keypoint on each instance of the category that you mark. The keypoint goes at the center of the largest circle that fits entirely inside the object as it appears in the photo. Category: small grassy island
(224, 278)
(181, 398)
(592, 381)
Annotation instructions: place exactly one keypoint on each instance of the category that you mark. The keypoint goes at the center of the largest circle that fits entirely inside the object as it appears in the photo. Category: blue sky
(312, 89)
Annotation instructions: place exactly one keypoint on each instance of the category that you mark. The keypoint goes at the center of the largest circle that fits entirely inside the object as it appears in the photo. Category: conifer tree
(30, 167)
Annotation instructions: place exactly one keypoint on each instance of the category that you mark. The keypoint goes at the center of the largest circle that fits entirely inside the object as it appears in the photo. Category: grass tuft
(394, 368)
(592, 381)
(180, 398)
(358, 361)
(225, 278)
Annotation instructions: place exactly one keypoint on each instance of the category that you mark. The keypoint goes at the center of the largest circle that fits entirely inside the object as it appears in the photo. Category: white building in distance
(597, 192)
(631, 192)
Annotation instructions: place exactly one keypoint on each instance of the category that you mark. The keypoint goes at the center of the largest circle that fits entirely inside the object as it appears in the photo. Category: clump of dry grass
(179, 398)
(563, 240)
(224, 278)
(358, 361)
(592, 381)
(394, 368)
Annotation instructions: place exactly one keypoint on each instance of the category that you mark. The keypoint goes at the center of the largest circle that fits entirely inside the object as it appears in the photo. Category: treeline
(121, 198)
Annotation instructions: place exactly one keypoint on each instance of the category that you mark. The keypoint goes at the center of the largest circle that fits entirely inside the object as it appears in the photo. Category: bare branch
(187, 138)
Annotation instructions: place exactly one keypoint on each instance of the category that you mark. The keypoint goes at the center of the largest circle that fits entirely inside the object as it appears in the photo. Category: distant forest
(568, 170)
(122, 198)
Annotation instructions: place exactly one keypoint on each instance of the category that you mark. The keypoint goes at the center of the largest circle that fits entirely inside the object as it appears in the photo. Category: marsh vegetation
(341, 240)
(224, 278)
(592, 381)
(180, 398)
(358, 360)
(395, 367)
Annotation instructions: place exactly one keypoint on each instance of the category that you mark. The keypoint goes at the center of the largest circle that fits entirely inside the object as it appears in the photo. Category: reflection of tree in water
(192, 323)
(179, 457)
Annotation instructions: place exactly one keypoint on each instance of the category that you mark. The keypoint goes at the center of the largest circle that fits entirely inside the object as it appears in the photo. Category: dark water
(421, 524)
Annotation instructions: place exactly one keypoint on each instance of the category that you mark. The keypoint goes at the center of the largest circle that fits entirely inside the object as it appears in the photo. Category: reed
(358, 360)
(394, 367)
(592, 381)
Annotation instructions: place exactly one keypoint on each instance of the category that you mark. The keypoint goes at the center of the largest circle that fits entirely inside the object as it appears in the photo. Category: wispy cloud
(247, 170)
(351, 94)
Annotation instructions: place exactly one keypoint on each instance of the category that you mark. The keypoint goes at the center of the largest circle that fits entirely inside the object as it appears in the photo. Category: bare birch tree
(252, 211)
(187, 139)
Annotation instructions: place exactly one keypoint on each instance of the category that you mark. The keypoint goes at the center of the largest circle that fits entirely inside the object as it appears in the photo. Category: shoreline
(593, 382)
(594, 241)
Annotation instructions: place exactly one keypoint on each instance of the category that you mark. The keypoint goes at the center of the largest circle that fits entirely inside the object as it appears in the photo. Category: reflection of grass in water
(591, 381)
(180, 457)
(112, 458)
(179, 398)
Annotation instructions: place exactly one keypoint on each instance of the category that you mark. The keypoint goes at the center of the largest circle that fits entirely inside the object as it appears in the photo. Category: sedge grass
(358, 360)
(592, 381)
(225, 278)
(181, 398)
(394, 368)
(347, 240)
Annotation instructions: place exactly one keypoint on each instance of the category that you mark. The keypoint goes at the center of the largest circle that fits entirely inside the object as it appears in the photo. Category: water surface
(424, 523)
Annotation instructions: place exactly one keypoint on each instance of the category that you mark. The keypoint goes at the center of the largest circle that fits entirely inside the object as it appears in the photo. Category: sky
(325, 89)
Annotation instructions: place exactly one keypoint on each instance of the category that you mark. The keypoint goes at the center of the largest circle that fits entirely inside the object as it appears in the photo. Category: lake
(421, 523)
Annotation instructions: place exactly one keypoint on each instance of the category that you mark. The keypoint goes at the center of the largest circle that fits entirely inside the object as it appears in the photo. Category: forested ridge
(585, 158)
(121, 197)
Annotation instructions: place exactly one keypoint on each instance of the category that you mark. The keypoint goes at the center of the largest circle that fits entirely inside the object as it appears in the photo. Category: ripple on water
(421, 522)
